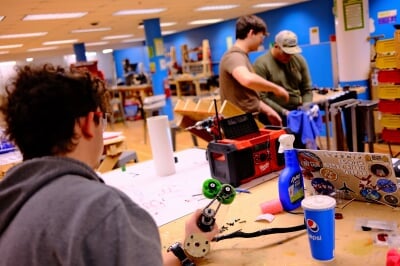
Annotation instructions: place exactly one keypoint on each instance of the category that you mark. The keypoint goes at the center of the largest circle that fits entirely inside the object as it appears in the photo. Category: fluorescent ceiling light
(167, 24)
(162, 24)
(60, 42)
(267, 5)
(167, 32)
(90, 30)
(54, 16)
(90, 54)
(95, 43)
(42, 49)
(29, 59)
(22, 35)
(2, 17)
(139, 11)
(133, 40)
(113, 37)
(214, 8)
(205, 21)
(7, 63)
(10, 46)
(107, 51)
(4, 52)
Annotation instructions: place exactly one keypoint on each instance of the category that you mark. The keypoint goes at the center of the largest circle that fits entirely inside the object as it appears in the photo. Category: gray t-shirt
(57, 211)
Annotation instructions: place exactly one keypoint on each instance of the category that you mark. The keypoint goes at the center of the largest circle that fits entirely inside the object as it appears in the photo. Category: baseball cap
(287, 41)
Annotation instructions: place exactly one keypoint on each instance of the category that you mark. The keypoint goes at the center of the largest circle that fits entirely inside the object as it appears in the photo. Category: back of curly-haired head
(249, 22)
(42, 105)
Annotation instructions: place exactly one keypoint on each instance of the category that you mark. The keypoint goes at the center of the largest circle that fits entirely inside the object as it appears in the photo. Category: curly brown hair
(43, 104)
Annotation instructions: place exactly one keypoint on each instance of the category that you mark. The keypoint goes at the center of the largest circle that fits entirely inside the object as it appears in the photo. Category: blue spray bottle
(290, 182)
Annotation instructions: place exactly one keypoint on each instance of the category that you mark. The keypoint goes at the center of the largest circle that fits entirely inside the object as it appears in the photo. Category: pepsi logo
(312, 225)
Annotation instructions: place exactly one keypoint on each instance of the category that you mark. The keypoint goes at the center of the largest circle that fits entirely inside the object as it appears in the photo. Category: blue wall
(298, 18)
(376, 6)
(216, 35)
(134, 54)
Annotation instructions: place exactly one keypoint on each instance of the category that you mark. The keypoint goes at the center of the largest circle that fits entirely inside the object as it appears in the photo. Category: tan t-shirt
(230, 89)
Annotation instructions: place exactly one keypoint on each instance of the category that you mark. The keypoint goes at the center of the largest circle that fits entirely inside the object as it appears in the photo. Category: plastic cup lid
(318, 203)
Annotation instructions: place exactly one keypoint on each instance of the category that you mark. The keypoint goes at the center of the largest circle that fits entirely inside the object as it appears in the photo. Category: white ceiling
(100, 12)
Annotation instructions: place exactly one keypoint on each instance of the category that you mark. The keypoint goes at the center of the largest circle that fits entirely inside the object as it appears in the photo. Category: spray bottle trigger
(285, 142)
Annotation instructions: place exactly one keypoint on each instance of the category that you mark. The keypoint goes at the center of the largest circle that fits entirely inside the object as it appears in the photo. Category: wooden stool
(117, 111)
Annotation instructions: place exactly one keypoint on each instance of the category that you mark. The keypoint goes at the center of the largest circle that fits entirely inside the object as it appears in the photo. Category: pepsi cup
(319, 215)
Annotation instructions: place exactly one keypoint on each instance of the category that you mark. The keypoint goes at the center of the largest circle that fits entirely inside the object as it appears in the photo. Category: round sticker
(370, 194)
(309, 161)
(386, 185)
(392, 200)
(322, 186)
(379, 170)
(328, 174)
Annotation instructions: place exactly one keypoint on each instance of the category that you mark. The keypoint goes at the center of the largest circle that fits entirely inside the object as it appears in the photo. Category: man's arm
(272, 115)
(274, 105)
(255, 82)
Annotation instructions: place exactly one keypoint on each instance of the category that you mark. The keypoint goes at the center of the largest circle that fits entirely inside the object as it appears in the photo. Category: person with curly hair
(54, 208)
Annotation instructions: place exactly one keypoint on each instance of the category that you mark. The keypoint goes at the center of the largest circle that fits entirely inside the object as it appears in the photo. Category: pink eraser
(272, 206)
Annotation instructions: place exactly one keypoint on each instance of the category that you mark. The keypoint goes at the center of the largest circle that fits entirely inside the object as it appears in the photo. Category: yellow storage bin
(388, 91)
(387, 61)
(385, 46)
(397, 36)
(390, 121)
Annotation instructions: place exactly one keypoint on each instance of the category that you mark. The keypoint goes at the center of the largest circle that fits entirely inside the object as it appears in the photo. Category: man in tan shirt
(239, 84)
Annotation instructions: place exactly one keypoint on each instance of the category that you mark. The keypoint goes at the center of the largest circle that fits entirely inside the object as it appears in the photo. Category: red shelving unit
(389, 88)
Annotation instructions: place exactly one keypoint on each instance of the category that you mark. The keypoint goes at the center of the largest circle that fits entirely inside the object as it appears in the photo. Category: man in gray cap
(284, 66)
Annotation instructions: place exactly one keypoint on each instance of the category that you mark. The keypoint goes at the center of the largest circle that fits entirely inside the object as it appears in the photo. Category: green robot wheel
(227, 194)
(211, 188)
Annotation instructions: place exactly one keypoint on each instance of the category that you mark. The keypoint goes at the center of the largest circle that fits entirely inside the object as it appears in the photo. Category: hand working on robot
(201, 227)
(195, 245)
(193, 228)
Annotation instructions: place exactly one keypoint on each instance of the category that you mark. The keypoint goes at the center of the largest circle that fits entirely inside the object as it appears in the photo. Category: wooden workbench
(141, 90)
(191, 112)
(114, 145)
(170, 199)
(8, 160)
(195, 80)
(353, 246)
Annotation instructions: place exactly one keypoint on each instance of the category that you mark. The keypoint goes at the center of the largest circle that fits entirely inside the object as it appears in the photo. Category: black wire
(262, 232)
(297, 213)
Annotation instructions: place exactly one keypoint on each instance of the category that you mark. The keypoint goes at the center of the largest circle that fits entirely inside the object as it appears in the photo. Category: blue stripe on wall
(298, 18)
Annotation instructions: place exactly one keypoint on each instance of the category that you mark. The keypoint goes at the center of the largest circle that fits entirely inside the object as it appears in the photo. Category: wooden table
(194, 80)
(138, 92)
(174, 196)
(142, 90)
(8, 160)
(353, 246)
(114, 145)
